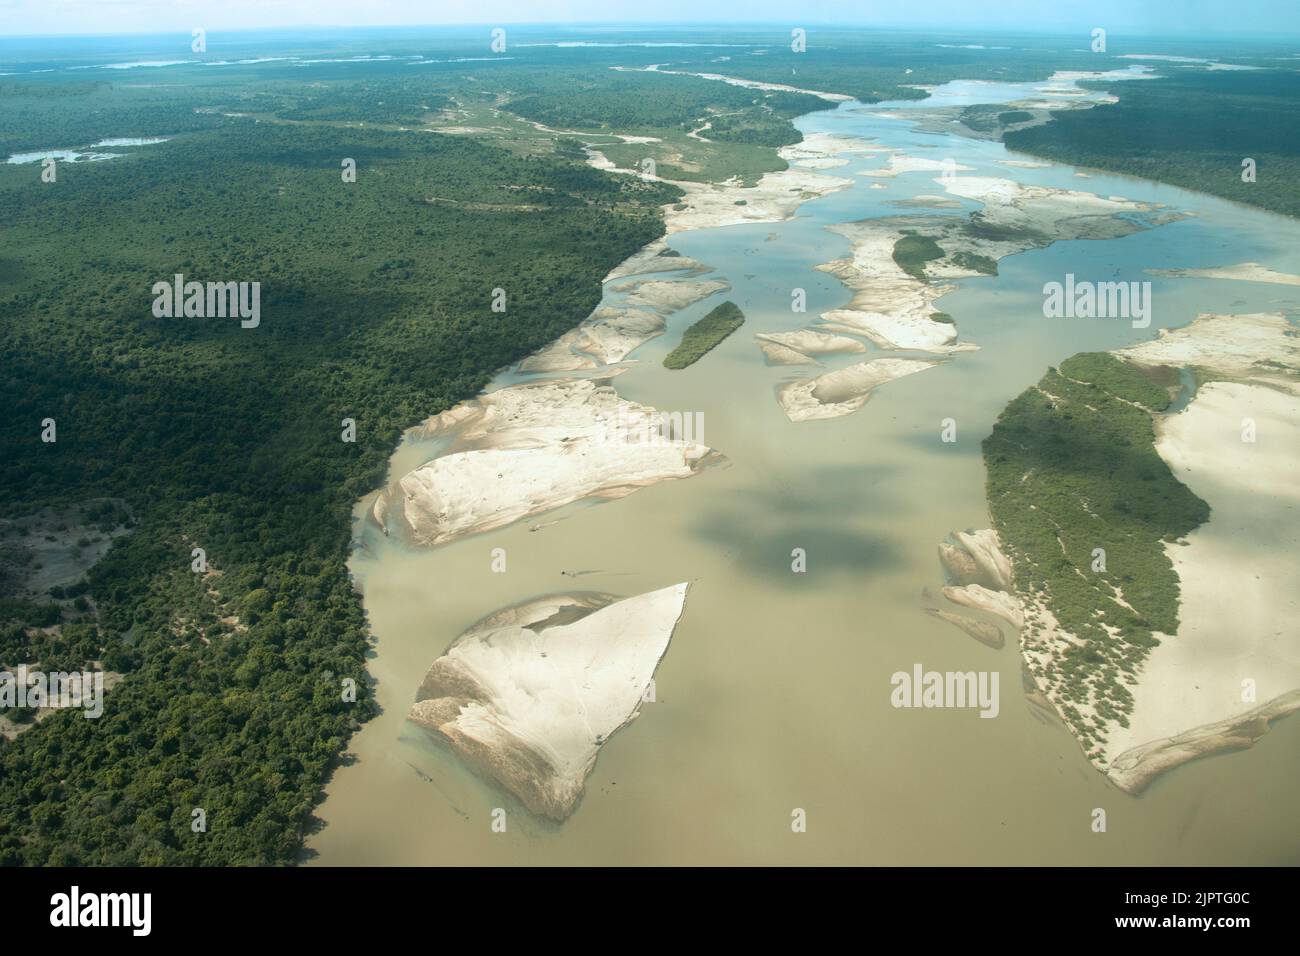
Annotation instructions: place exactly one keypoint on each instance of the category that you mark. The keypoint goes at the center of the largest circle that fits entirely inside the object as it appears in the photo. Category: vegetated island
(1072, 468)
(704, 335)
(1143, 622)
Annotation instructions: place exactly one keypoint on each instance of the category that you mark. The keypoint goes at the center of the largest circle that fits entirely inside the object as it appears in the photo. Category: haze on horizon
(1191, 18)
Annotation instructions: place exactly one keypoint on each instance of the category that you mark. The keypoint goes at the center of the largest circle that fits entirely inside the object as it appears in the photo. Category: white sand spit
(774, 199)
(526, 449)
(902, 163)
(812, 342)
(747, 84)
(1001, 603)
(665, 296)
(843, 391)
(1242, 271)
(612, 333)
(889, 306)
(988, 634)
(558, 357)
(975, 557)
(1260, 347)
(530, 705)
(653, 258)
(1133, 770)
(819, 147)
(1057, 213)
(778, 354)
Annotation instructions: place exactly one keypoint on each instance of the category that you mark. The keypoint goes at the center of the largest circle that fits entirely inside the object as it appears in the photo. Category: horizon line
(723, 26)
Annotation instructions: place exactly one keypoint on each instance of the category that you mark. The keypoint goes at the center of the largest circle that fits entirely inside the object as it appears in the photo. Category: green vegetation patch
(1072, 468)
(991, 118)
(981, 117)
(1116, 377)
(913, 252)
(985, 265)
(704, 335)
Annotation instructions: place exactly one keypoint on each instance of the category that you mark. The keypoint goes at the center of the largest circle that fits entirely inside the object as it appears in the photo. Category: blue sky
(1203, 18)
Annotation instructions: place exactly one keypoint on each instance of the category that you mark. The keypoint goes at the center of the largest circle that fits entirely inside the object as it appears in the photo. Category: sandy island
(526, 449)
(1234, 666)
(799, 347)
(1242, 272)
(528, 696)
(844, 390)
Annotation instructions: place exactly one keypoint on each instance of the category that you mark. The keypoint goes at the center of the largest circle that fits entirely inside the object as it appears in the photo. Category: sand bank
(1242, 271)
(736, 81)
(1234, 664)
(1054, 214)
(1259, 347)
(559, 356)
(778, 354)
(799, 347)
(988, 634)
(902, 163)
(529, 696)
(923, 201)
(975, 557)
(614, 331)
(1133, 770)
(1001, 603)
(774, 198)
(817, 149)
(1237, 644)
(608, 336)
(895, 308)
(526, 449)
(655, 257)
(843, 391)
(889, 306)
(665, 296)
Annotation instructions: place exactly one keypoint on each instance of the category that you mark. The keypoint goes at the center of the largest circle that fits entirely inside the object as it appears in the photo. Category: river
(775, 692)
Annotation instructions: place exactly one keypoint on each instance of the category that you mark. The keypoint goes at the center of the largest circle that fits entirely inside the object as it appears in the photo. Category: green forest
(1193, 129)
(1072, 468)
(375, 306)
